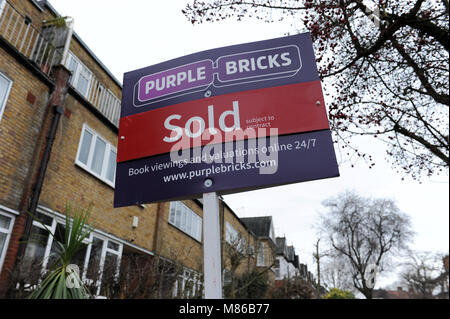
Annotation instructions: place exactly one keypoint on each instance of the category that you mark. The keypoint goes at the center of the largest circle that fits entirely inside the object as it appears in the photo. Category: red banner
(291, 109)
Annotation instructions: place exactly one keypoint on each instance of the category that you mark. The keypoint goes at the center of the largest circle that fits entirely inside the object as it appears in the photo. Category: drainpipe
(36, 192)
(158, 233)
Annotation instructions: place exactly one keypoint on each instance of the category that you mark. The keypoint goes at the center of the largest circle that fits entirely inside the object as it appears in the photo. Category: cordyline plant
(62, 282)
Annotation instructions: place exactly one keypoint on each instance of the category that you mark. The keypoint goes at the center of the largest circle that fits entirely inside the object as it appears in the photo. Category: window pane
(188, 223)
(199, 229)
(72, 67)
(4, 86)
(109, 273)
(110, 173)
(47, 220)
(59, 236)
(30, 268)
(85, 147)
(82, 84)
(81, 76)
(185, 219)
(177, 215)
(261, 254)
(99, 155)
(113, 245)
(36, 244)
(184, 212)
(95, 256)
(4, 221)
(2, 242)
(172, 213)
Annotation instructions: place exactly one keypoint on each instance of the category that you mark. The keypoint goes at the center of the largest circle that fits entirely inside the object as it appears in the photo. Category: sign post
(212, 265)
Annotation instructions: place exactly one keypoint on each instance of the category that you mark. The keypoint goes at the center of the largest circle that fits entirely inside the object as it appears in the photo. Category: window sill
(105, 181)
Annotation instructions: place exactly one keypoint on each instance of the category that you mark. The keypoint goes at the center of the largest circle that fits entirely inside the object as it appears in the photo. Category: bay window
(98, 259)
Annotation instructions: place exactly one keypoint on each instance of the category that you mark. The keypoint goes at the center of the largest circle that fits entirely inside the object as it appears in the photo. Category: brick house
(59, 113)
(263, 229)
(286, 264)
(58, 130)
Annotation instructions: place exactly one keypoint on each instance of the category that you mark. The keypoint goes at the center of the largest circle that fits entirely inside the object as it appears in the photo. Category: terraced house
(286, 264)
(59, 113)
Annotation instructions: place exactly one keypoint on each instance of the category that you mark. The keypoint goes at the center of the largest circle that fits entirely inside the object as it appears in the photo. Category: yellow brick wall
(66, 181)
(19, 128)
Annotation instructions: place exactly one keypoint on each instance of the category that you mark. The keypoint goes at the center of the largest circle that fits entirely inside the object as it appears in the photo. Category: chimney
(399, 289)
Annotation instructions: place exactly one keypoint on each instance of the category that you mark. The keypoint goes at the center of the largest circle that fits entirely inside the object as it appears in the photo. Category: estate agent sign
(224, 120)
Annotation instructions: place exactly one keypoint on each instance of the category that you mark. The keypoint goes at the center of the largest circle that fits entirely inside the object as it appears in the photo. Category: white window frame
(88, 241)
(108, 149)
(2, 6)
(80, 68)
(105, 250)
(8, 90)
(260, 258)
(230, 233)
(174, 219)
(187, 275)
(8, 232)
(232, 238)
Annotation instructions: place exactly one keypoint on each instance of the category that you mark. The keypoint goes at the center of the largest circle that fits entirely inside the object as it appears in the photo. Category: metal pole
(212, 265)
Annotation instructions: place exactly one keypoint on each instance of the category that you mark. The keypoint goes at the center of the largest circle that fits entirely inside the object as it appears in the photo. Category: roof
(259, 225)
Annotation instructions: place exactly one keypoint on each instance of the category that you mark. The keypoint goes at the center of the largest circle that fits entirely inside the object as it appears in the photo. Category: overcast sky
(127, 35)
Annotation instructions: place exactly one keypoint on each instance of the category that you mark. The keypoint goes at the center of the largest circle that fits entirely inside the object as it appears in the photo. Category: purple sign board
(251, 83)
